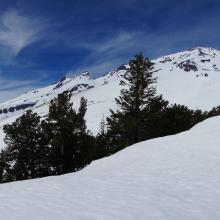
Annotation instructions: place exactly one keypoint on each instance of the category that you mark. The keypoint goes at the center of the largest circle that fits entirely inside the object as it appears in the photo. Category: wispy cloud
(101, 45)
(17, 31)
(108, 54)
(10, 88)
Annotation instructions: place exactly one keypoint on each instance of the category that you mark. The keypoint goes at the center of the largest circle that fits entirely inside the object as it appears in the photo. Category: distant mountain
(190, 77)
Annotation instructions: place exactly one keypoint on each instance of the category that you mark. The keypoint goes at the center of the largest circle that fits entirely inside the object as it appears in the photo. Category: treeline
(61, 143)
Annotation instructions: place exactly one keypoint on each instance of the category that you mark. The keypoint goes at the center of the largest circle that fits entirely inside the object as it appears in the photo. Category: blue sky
(42, 40)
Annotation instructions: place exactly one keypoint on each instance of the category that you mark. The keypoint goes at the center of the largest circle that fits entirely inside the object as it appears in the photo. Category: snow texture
(174, 177)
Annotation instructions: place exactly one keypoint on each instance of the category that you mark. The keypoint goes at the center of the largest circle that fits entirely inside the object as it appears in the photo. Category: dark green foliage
(143, 114)
(61, 143)
(23, 158)
(57, 145)
(3, 167)
(154, 118)
(101, 145)
(214, 112)
(136, 98)
(178, 118)
(140, 91)
(137, 102)
(61, 121)
(71, 144)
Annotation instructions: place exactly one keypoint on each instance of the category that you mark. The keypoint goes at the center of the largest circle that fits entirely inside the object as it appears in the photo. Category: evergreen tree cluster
(61, 143)
(143, 114)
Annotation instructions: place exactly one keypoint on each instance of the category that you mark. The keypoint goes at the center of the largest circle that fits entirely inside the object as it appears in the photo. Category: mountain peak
(204, 51)
(122, 67)
(200, 64)
(86, 74)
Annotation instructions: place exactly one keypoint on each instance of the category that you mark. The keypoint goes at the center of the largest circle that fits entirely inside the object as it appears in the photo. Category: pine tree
(70, 140)
(85, 148)
(60, 121)
(178, 118)
(127, 125)
(2, 166)
(101, 147)
(81, 116)
(23, 155)
(103, 126)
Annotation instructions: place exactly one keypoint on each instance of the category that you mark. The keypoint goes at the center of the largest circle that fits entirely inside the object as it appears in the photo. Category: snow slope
(190, 77)
(174, 177)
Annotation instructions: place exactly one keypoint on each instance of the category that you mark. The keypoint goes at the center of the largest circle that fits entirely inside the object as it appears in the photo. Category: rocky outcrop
(188, 65)
(16, 108)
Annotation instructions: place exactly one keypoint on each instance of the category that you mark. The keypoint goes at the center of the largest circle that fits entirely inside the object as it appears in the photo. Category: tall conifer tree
(69, 134)
(25, 148)
(127, 125)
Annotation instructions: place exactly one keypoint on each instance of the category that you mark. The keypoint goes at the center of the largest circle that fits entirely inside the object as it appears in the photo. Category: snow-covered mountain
(174, 177)
(190, 77)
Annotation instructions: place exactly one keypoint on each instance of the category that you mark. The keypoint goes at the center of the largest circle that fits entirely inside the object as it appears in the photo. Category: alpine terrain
(172, 177)
(190, 77)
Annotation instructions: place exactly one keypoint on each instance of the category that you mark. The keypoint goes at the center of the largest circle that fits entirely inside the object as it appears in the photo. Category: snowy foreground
(175, 177)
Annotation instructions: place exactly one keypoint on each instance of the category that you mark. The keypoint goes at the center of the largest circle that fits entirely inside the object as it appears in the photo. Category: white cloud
(18, 31)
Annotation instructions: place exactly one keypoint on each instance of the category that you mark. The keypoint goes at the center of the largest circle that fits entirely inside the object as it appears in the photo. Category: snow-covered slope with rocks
(174, 177)
(191, 78)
